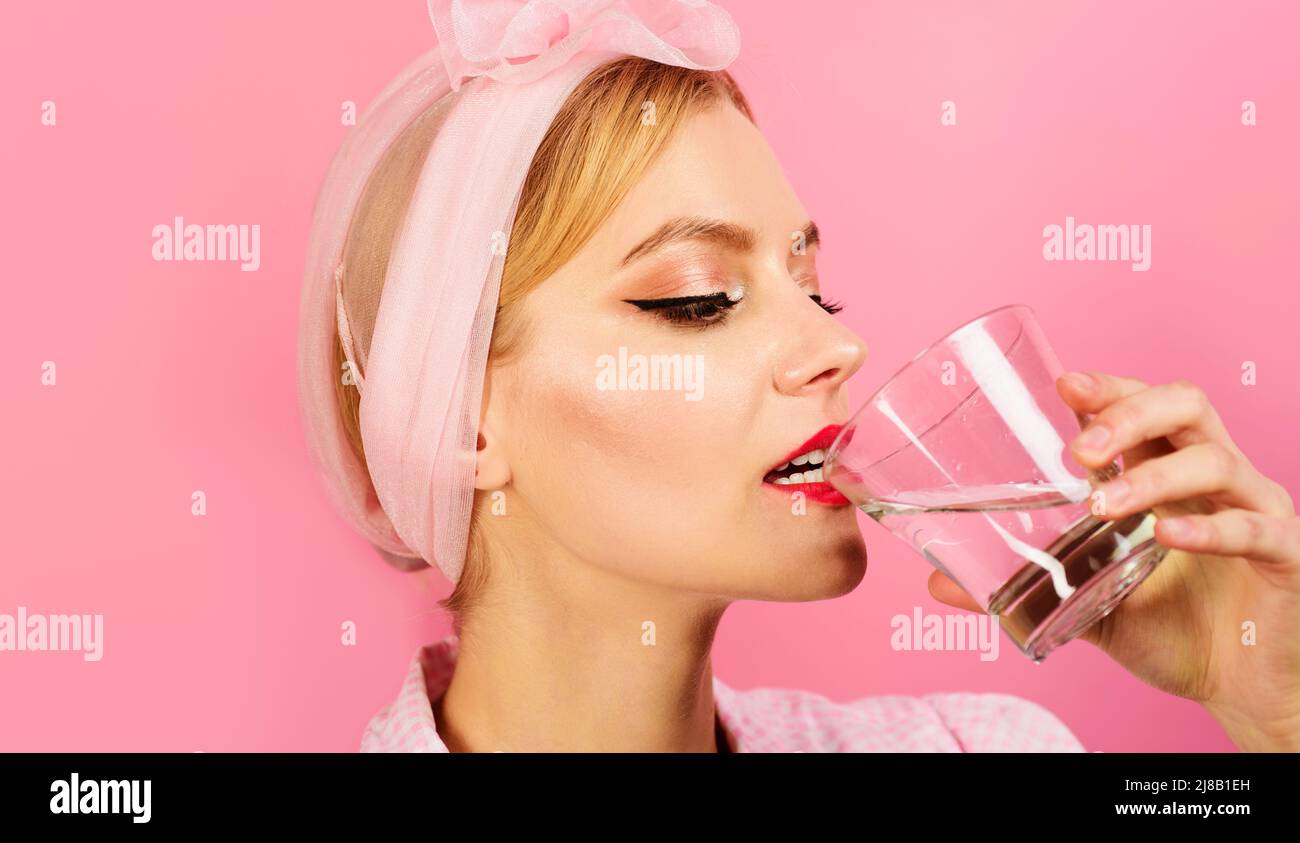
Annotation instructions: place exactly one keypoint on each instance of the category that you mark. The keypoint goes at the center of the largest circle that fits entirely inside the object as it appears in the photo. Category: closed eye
(707, 310)
(687, 310)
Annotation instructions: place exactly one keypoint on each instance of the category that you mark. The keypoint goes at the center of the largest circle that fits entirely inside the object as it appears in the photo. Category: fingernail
(1081, 380)
(1094, 438)
(1178, 528)
(1114, 493)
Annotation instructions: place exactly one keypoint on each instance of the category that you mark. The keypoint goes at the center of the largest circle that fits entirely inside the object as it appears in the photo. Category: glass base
(1103, 560)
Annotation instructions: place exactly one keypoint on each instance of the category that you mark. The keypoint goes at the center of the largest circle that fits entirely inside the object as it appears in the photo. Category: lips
(820, 440)
(787, 475)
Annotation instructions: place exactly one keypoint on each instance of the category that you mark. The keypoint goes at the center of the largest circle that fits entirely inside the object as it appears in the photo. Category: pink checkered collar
(777, 719)
(408, 724)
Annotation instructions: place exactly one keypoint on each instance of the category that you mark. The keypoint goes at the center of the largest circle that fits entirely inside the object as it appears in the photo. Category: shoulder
(790, 720)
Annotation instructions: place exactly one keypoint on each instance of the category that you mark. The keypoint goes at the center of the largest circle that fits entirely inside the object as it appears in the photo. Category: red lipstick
(821, 439)
(818, 492)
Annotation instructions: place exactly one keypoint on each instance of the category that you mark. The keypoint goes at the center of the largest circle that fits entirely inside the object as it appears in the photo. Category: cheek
(649, 466)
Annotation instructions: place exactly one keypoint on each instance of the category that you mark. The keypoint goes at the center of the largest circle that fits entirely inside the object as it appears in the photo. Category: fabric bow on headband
(421, 380)
(513, 41)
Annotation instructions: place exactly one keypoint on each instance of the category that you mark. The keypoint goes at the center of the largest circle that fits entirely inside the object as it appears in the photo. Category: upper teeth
(811, 457)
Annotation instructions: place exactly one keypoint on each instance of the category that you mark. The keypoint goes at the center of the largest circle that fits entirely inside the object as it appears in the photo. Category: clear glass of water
(964, 454)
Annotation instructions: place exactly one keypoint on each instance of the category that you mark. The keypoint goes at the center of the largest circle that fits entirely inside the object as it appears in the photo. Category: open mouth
(801, 470)
(804, 468)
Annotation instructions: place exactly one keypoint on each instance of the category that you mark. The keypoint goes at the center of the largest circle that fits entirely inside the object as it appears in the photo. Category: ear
(491, 466)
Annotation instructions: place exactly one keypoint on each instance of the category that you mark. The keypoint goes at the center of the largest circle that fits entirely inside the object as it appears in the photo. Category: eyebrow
(727, 234)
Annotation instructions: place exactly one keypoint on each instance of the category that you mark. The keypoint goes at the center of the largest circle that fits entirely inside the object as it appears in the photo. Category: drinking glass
(964, 454)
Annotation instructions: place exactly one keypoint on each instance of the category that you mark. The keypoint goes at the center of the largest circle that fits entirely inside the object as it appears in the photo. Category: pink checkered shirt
(776, 720)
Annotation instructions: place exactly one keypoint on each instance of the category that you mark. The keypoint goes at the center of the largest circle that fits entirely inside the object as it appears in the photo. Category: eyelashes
(689, 310)
(705, 311)
(830, 306)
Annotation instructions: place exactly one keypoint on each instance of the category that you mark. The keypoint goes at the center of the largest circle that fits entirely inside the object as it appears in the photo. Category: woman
(598, 193)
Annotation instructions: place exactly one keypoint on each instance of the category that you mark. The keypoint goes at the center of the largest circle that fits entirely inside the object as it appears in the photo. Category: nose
(822, 353)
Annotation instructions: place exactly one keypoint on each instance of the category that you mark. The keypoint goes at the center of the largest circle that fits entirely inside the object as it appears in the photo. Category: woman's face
(666, 486)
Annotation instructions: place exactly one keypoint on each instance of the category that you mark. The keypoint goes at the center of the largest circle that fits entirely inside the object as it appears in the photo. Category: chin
(835, 570)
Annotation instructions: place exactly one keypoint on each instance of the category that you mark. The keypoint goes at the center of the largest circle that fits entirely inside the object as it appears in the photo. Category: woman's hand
(1218, 621)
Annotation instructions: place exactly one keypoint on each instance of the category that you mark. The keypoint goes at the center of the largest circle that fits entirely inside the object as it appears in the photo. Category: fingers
(1087, 393)
(1091, 392)
(1134, 415)
(1207, 469)
(1234, 532)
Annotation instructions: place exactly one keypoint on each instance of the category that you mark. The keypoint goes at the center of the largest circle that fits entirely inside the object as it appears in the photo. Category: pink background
(222, 632)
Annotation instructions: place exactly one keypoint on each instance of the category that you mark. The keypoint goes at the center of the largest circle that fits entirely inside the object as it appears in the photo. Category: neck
(594, 664)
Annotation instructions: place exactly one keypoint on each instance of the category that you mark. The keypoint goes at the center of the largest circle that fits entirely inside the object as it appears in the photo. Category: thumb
(946, 590)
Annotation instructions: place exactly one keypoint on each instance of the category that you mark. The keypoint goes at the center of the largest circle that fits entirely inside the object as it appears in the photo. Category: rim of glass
(835, 445)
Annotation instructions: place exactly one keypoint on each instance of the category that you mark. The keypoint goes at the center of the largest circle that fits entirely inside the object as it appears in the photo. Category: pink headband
(421, 382)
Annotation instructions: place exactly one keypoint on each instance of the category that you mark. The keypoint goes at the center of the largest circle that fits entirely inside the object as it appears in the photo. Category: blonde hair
(605, 135)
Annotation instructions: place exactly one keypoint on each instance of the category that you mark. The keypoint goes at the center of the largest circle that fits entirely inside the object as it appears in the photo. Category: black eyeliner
(655, 304)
